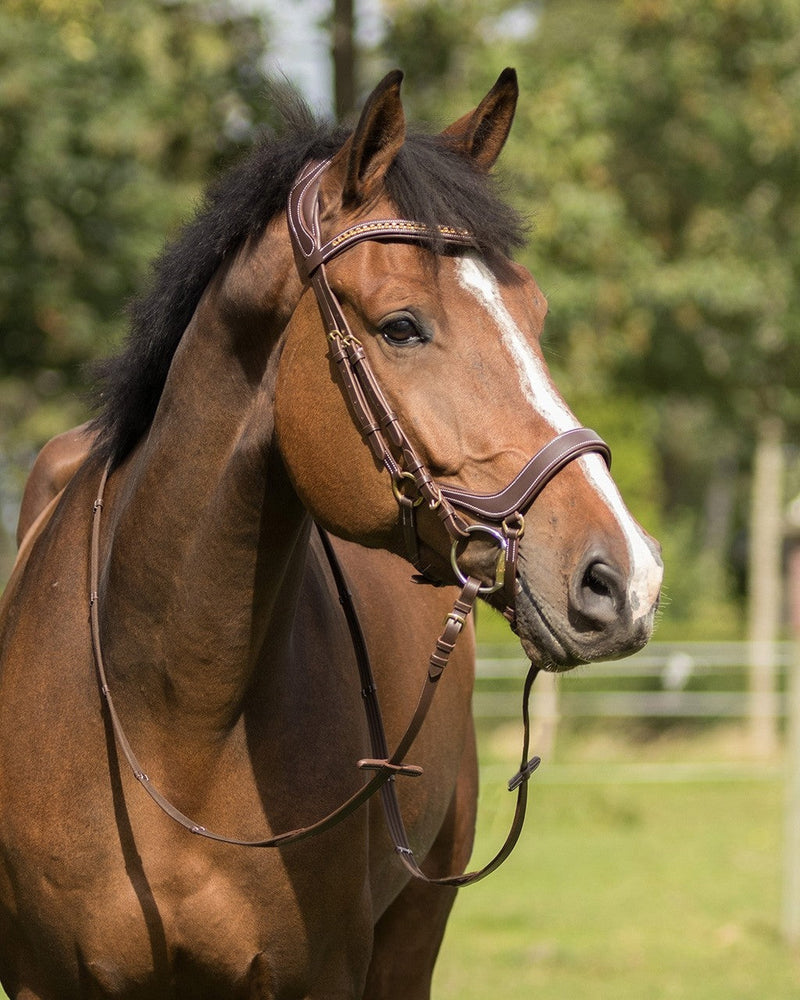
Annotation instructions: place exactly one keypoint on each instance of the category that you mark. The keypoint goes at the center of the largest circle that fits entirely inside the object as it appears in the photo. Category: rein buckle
(524, 773)
(369, 764)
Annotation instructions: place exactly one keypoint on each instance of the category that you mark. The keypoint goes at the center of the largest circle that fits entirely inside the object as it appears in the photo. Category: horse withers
(367, 360)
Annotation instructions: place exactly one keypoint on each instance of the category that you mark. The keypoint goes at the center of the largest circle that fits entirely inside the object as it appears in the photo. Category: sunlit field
(632, 880)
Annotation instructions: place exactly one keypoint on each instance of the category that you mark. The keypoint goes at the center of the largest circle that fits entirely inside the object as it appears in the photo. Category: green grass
(626, 891)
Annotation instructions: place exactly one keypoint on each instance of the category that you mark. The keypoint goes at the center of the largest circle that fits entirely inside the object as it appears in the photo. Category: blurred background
(656, 151)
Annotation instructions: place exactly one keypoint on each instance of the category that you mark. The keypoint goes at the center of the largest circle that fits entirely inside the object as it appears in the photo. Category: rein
(385, 766)
(500, 516)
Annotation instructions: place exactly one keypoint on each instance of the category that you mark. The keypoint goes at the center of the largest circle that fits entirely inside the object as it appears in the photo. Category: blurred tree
(343, 57)
(705, 113)
(111, 115)
(449, 51)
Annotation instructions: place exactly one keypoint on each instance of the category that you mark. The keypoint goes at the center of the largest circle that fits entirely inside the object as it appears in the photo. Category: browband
(303, 216)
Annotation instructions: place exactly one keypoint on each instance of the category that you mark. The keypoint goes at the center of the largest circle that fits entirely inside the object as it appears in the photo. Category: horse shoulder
(55, 465)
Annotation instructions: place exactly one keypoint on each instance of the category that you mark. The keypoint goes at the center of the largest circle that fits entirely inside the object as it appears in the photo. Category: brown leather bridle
(499, 515)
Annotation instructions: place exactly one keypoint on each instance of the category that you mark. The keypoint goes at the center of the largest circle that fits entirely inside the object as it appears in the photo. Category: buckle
(456, 618)
(399, 496)
(524, 773)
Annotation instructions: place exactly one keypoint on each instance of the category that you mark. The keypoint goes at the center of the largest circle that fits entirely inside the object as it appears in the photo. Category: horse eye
(401, 331)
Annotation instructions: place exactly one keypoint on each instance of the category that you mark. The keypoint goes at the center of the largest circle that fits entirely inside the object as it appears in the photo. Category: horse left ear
(482, 133)
(361, 164)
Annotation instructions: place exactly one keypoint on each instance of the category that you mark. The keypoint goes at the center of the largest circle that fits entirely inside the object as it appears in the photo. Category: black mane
(428, 182)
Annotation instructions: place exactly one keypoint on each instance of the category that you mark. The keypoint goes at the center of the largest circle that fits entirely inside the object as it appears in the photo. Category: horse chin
(543, 645)
(552, 644)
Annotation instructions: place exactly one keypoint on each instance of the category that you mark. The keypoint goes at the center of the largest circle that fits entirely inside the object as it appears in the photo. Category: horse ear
(482, 133)
(362, 162)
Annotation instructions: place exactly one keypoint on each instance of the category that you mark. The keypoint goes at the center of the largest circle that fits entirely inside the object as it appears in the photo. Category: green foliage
(449, 50)
(664, 176)
(705, 113)
(111, 117)
(425, 40)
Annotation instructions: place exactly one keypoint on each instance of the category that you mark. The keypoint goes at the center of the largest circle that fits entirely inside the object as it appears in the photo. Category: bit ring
(502, 545)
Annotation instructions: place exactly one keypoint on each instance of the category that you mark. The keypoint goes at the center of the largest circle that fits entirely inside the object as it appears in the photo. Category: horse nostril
(598, 594)
(594, 580)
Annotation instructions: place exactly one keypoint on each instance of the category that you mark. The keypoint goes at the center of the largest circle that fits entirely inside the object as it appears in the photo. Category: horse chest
(199, 923)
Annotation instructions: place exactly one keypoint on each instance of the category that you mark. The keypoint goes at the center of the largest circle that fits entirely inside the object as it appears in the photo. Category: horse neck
(207, 537)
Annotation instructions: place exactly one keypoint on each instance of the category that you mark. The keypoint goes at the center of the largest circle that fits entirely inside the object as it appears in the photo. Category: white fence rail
(671, 672)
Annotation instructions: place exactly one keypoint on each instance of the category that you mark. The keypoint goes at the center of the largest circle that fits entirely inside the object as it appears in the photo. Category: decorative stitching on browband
(399, 227)
(302, 229)
(307, 239)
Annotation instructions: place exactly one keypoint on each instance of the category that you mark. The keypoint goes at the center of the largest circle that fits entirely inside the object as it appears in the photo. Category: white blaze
(538, 389)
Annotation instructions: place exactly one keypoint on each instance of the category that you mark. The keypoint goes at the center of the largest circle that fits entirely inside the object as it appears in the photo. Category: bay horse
(340, 337)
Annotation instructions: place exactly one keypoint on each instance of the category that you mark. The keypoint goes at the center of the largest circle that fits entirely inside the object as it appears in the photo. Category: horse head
(449, 332)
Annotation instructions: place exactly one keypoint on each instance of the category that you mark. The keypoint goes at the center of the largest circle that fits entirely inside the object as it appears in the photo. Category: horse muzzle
(601, 609)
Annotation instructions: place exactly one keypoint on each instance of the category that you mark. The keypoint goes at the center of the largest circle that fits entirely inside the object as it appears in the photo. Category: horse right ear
(360, 165)
(482, 133)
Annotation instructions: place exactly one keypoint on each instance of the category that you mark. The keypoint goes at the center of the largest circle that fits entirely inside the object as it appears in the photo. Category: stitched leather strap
(392, 765)
(520, 493)
(518, 783)
(369, 407)
(303, 218)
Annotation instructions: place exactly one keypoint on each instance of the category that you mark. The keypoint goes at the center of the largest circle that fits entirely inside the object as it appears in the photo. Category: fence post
(790, 922)
(765, 584)
(545, 714)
